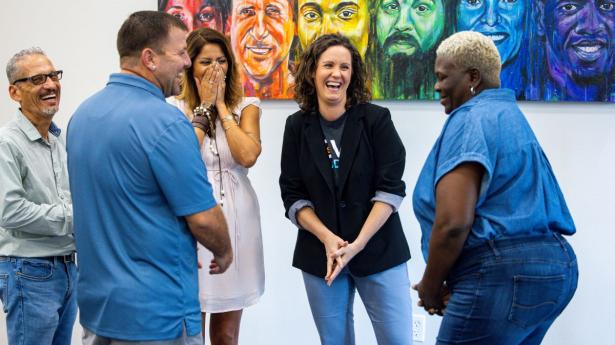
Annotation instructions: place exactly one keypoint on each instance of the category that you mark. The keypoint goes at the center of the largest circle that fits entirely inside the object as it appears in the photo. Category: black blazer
(373, 159)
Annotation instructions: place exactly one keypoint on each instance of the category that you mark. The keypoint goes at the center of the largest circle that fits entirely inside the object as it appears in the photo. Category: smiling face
(349, 18)
(261, 34)
(580, 36)
(501, 20)
(407, 25)
(209, 54)
(172, 62)
(36, 100)
(333, 75)
(453, 84)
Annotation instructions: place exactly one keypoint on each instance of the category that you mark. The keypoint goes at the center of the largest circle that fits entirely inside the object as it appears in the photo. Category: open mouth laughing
(333, 86)
(51, 97)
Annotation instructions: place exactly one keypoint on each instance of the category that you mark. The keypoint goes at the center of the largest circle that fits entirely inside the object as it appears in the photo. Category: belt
(72, 257)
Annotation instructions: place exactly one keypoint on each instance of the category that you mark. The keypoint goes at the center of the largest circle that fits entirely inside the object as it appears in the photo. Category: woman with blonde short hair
(490, 209)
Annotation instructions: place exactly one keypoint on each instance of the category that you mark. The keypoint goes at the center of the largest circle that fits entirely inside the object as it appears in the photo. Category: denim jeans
(39, 299)
(509, 291)
(386, 296)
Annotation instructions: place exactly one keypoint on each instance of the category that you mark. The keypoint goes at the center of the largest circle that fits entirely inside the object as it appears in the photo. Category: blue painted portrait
(505, 23)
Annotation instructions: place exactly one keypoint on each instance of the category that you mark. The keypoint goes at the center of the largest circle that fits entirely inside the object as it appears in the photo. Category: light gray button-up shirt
(36, 213)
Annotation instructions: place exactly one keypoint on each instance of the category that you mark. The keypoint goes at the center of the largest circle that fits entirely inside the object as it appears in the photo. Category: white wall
(79, 36)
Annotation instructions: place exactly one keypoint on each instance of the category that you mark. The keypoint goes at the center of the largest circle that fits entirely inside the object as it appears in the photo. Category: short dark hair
(305, 90)
(145, 29)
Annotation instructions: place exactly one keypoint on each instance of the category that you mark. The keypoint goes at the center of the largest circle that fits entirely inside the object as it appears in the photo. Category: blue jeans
(386, 296)
(39, 299)
(509, 291)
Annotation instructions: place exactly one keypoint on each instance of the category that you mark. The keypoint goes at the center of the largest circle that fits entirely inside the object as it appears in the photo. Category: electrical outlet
(418, 327)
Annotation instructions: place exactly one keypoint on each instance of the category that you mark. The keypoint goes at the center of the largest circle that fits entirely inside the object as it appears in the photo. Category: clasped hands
(433, 299)
(339, 253)
(211, 85)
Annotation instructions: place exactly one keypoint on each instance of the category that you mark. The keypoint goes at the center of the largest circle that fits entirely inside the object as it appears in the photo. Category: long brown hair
(196, 40)
(305, 90)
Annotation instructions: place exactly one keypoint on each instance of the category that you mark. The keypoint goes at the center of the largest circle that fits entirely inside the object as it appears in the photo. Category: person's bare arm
(243, 138)
(210, 229)
(456, 196)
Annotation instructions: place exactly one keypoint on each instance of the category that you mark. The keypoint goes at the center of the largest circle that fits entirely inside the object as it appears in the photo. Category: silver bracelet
(202, 110)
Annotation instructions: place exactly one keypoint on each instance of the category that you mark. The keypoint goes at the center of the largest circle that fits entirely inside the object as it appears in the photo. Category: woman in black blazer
(350, 235)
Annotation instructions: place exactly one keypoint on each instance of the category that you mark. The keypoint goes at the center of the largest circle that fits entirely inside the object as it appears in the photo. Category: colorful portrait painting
(402, 55)
(551, 50)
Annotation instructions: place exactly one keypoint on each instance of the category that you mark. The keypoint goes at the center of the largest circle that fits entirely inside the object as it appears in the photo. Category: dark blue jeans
(39, 300)
(509, 291)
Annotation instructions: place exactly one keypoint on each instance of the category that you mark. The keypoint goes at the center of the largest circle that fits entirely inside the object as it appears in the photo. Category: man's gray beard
(51, 111)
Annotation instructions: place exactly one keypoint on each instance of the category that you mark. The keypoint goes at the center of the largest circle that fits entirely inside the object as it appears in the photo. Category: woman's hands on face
(221, 87)
(208, 85)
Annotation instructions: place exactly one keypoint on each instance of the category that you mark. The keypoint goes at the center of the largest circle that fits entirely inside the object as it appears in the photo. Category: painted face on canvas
(181, 9)
(261, 34)
(349, 18)
(580, 36)
(208, 15)
(501, 20)
(405, 26)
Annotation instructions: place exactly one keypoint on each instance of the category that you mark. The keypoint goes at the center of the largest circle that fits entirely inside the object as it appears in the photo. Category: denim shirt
(519, 195)
(35, 201)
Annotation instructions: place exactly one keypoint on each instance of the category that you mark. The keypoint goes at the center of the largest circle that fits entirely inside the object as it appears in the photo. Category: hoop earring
(472, 91)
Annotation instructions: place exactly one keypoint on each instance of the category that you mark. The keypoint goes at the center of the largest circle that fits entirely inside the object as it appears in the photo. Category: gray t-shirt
(333, 131)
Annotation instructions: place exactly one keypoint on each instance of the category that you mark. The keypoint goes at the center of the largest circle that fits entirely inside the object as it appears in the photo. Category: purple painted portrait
(578, 40)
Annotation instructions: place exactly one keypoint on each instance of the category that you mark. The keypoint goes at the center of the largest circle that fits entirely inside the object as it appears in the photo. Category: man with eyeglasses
(37, 247)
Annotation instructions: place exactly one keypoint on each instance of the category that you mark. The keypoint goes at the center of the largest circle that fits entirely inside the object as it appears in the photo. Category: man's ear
(149, 59)
(539, 9)
(15, 93)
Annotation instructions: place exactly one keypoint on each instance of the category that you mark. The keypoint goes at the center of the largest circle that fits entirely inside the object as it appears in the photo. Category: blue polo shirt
(135, 170)
(519, 195)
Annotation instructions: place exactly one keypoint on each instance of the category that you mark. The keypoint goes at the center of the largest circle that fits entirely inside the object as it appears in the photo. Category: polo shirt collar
(136, 81)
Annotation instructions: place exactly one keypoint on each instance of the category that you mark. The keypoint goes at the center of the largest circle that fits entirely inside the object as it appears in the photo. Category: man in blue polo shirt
(141, 196)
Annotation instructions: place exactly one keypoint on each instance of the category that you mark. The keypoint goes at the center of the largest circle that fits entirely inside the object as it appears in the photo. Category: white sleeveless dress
(243, 283)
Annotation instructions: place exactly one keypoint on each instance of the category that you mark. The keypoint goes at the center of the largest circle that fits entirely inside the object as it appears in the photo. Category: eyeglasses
(41, 78)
